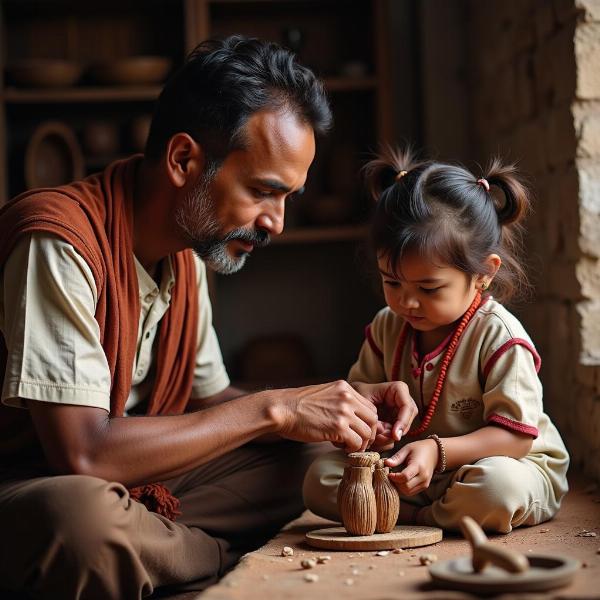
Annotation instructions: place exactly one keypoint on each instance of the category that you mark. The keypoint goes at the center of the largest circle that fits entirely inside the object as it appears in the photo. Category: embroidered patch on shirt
(465, 407)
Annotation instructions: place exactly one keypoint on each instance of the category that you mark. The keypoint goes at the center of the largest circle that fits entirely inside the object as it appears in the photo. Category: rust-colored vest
(95, 216)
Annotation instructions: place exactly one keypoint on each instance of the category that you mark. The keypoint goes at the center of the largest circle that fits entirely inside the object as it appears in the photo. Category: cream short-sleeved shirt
(48, 300)
(492, 380)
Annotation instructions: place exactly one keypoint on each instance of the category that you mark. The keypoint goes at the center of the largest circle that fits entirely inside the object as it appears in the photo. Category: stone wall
(534, 97)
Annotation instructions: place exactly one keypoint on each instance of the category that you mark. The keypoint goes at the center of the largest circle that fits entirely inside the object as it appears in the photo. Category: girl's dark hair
(444, 212)
(223, 83)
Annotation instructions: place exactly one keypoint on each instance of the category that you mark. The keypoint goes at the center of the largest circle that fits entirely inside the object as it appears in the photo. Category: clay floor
(266, 575)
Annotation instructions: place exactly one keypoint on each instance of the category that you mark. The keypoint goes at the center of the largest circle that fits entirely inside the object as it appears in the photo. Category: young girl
(481, 445)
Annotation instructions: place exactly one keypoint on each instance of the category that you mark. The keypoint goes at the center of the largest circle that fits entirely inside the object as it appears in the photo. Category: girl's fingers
(406, 474)
(396, 459)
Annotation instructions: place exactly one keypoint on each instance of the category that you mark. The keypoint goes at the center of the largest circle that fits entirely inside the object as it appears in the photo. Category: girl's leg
(498, 492)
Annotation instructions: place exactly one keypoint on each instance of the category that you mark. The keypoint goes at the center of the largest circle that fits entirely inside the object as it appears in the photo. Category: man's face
(238, 206)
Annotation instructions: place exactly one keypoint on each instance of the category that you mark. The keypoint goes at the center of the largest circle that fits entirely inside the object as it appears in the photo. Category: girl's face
(429, 296)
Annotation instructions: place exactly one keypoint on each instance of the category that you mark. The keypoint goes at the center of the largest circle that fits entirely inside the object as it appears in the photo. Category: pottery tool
(493, 569)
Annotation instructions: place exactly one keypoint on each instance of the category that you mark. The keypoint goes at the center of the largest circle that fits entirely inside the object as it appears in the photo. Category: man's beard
(197, 219)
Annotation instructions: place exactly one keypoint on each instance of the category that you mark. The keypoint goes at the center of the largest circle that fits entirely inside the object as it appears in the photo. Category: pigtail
(512, 208)
(516, 201)
(390, 165)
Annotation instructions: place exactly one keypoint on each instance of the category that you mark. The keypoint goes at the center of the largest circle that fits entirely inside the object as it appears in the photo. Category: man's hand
(331, 412)
(420, 459)
(396, 410)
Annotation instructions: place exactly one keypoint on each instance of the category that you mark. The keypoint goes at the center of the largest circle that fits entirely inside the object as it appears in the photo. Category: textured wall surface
(535, 98)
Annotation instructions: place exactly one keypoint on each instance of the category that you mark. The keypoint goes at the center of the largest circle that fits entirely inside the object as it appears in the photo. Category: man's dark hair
(223, 83)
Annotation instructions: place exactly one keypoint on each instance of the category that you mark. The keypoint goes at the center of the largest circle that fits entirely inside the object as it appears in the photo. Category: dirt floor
(266, 575)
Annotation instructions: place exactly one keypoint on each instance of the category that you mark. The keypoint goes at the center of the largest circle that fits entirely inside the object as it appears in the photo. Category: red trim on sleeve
(372, 343)
(513, 425)
(507, 346)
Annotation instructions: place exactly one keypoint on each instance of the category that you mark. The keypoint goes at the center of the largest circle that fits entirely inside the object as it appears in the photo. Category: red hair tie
(484, 183)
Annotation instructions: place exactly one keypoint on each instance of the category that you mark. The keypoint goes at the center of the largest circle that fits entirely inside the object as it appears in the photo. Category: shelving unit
(308, 285)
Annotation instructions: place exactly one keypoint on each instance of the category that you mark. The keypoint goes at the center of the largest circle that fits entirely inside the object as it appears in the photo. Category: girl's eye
(391, 283)
(430, 290)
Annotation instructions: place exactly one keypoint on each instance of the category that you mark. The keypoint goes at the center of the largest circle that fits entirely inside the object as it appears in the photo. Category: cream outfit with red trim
(492, 380)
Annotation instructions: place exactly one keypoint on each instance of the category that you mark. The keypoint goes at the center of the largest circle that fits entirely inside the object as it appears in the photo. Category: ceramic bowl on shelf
(44, 73)
(53, 156)
(132, 70)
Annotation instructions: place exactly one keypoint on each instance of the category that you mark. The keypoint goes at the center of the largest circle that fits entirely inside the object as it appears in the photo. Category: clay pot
(101, 138)
(44, 73)
(386, 498)
(133, 70)
(357, 502)
(53, 156)
(363, 459)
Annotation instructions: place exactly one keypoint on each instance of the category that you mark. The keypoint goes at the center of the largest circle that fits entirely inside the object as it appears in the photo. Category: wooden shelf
(13, 95)
(81, 94)
(311, 235)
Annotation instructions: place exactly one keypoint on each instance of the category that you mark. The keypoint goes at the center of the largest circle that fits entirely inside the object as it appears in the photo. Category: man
(105, 317)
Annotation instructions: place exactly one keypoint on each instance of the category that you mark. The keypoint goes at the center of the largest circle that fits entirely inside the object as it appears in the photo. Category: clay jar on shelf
(53, 156)
(101, 138)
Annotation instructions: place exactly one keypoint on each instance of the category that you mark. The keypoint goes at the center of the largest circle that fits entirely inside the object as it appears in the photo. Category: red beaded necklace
(448, 356)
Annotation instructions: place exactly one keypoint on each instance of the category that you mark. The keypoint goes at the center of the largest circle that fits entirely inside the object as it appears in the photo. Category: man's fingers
(406, 416)
(352, 441)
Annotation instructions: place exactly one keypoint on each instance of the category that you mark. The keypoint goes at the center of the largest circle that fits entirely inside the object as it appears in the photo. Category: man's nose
(272, 217)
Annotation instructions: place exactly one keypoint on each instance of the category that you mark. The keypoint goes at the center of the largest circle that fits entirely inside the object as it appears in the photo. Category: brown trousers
(75, 536)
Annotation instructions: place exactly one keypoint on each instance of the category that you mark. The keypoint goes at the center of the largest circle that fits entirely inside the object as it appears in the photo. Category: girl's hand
(396, 410)
(420, 460)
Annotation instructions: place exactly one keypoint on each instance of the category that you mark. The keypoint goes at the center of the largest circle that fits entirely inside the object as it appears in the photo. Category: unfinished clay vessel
(356, 503)
(386, 498)
(363, 459)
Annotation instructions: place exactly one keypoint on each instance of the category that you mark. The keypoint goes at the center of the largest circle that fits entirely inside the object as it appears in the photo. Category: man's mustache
(256, 237)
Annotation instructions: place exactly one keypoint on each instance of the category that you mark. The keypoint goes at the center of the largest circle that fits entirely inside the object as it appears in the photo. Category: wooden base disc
(403, 536)
(545, 572)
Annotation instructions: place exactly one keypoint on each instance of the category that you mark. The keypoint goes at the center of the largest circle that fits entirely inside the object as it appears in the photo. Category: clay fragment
(308, 563)
(427, 559)
(311, 578)
(287, 551)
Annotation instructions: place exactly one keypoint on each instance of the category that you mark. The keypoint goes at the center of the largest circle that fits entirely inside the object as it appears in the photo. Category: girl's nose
(409, 301)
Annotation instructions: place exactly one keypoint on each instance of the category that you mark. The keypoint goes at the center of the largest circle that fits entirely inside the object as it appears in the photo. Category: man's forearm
(136, 450)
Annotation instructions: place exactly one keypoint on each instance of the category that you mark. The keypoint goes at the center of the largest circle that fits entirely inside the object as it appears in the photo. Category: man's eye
(262, 193)
(431, 290)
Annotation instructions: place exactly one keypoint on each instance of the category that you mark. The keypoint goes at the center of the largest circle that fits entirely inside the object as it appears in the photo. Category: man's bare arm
(136, 450)
(229, 393)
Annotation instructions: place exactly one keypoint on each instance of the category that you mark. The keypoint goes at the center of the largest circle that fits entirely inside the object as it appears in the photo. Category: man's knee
(59, 523)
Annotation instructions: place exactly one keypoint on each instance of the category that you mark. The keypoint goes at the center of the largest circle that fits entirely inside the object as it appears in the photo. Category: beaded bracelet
(442, 461)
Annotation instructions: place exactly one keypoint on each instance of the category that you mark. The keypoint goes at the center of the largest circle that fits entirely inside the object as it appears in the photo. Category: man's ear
(492, 264)
(184, 159)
